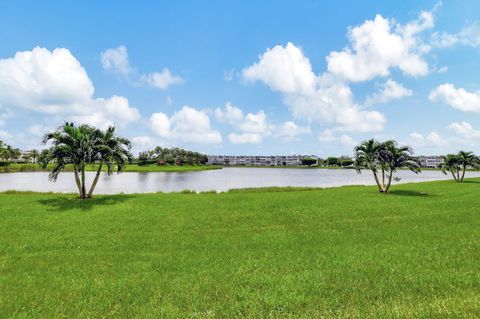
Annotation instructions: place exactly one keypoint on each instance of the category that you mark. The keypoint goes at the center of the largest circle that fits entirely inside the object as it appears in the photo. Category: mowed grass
(281, 253)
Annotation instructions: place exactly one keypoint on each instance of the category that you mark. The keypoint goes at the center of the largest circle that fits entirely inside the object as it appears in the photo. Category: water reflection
(219, 180)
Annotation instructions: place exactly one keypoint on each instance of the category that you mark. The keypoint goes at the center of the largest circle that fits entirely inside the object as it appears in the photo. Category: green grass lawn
(281, 253)
(12, 168)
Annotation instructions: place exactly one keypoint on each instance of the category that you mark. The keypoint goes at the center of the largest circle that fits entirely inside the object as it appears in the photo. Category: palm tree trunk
(84, 191)
(95, 181)
(77, 180)
(463, 173)
(377, 181)
(383, 180)
(389, 181)
(453, 174)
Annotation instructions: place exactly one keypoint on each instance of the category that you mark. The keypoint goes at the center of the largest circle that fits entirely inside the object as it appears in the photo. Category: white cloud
(283, 69)
(320, 99)
(390, 90)
(116, 60)
(443, 69)
(433, 139)
(54, 82)
(459, 99)
(5, 135)
(347, 140)
(465, 130)
(327, 136)
(469, 35)
(378, 45)
(161, 80)
(245, 138)
(252, 126)
(290, 130)
(186, 125)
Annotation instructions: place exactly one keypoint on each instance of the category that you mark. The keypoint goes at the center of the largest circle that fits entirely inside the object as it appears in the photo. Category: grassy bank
(347, 252)
(12, 168)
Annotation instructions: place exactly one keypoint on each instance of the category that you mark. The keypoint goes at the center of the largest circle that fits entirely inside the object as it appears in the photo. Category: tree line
(171, 156)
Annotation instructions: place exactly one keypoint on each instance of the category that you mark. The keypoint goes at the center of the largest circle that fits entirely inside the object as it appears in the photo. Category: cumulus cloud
(328, 135)
(117, 61)
(459, 99)
(244, 138)
(378, 45)
(433, 139)
(469, 35)
(54, 82)
(390, 90)
(161, 80)
(347, 140)
(291, 130)
(310, 97)
(283, 69)
(465, 130)
(252, 126)
(186, 125)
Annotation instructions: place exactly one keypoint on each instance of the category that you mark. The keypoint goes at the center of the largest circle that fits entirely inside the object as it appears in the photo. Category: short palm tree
(457, 164)
(80, 146)
(384, 159)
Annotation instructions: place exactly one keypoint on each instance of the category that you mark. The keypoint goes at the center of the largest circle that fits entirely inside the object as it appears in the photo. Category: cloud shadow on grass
(62, 203)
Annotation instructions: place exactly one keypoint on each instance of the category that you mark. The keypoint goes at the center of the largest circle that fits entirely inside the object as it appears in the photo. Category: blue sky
(245, 77)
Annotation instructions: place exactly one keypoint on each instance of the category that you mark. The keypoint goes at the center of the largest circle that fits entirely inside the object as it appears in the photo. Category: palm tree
(113, 151)
(467, 159)
(83, 145)
(451, 163)
(366, 157)
(394, 157)
(457, 164)
(384, 158)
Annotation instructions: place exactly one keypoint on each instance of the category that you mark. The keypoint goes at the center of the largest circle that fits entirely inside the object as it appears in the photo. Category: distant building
(430, 161)
(247, 160)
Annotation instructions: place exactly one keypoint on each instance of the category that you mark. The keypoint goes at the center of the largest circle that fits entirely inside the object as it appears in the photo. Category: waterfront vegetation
(260, 253)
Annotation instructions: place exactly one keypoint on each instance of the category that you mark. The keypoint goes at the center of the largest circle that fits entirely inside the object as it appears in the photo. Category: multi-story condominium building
(430, 161)
(243, 160)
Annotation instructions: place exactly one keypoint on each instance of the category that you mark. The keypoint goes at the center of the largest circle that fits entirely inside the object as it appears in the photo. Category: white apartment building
(261, 160)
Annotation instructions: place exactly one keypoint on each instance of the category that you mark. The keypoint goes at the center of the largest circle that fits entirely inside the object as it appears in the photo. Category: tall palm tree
(366, 157)
(394, 157)
(80, 146)
(113, 151)
(384, 159)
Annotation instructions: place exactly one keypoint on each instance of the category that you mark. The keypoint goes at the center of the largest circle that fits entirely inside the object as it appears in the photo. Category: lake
(218, 180)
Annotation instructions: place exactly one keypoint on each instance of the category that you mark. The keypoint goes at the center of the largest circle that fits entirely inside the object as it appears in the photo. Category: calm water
(219, 180)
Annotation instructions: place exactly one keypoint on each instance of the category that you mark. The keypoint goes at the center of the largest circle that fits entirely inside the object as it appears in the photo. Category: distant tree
(34, 154)
(309, 161)
(332, 161)
(172, 156)
(346, 162)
